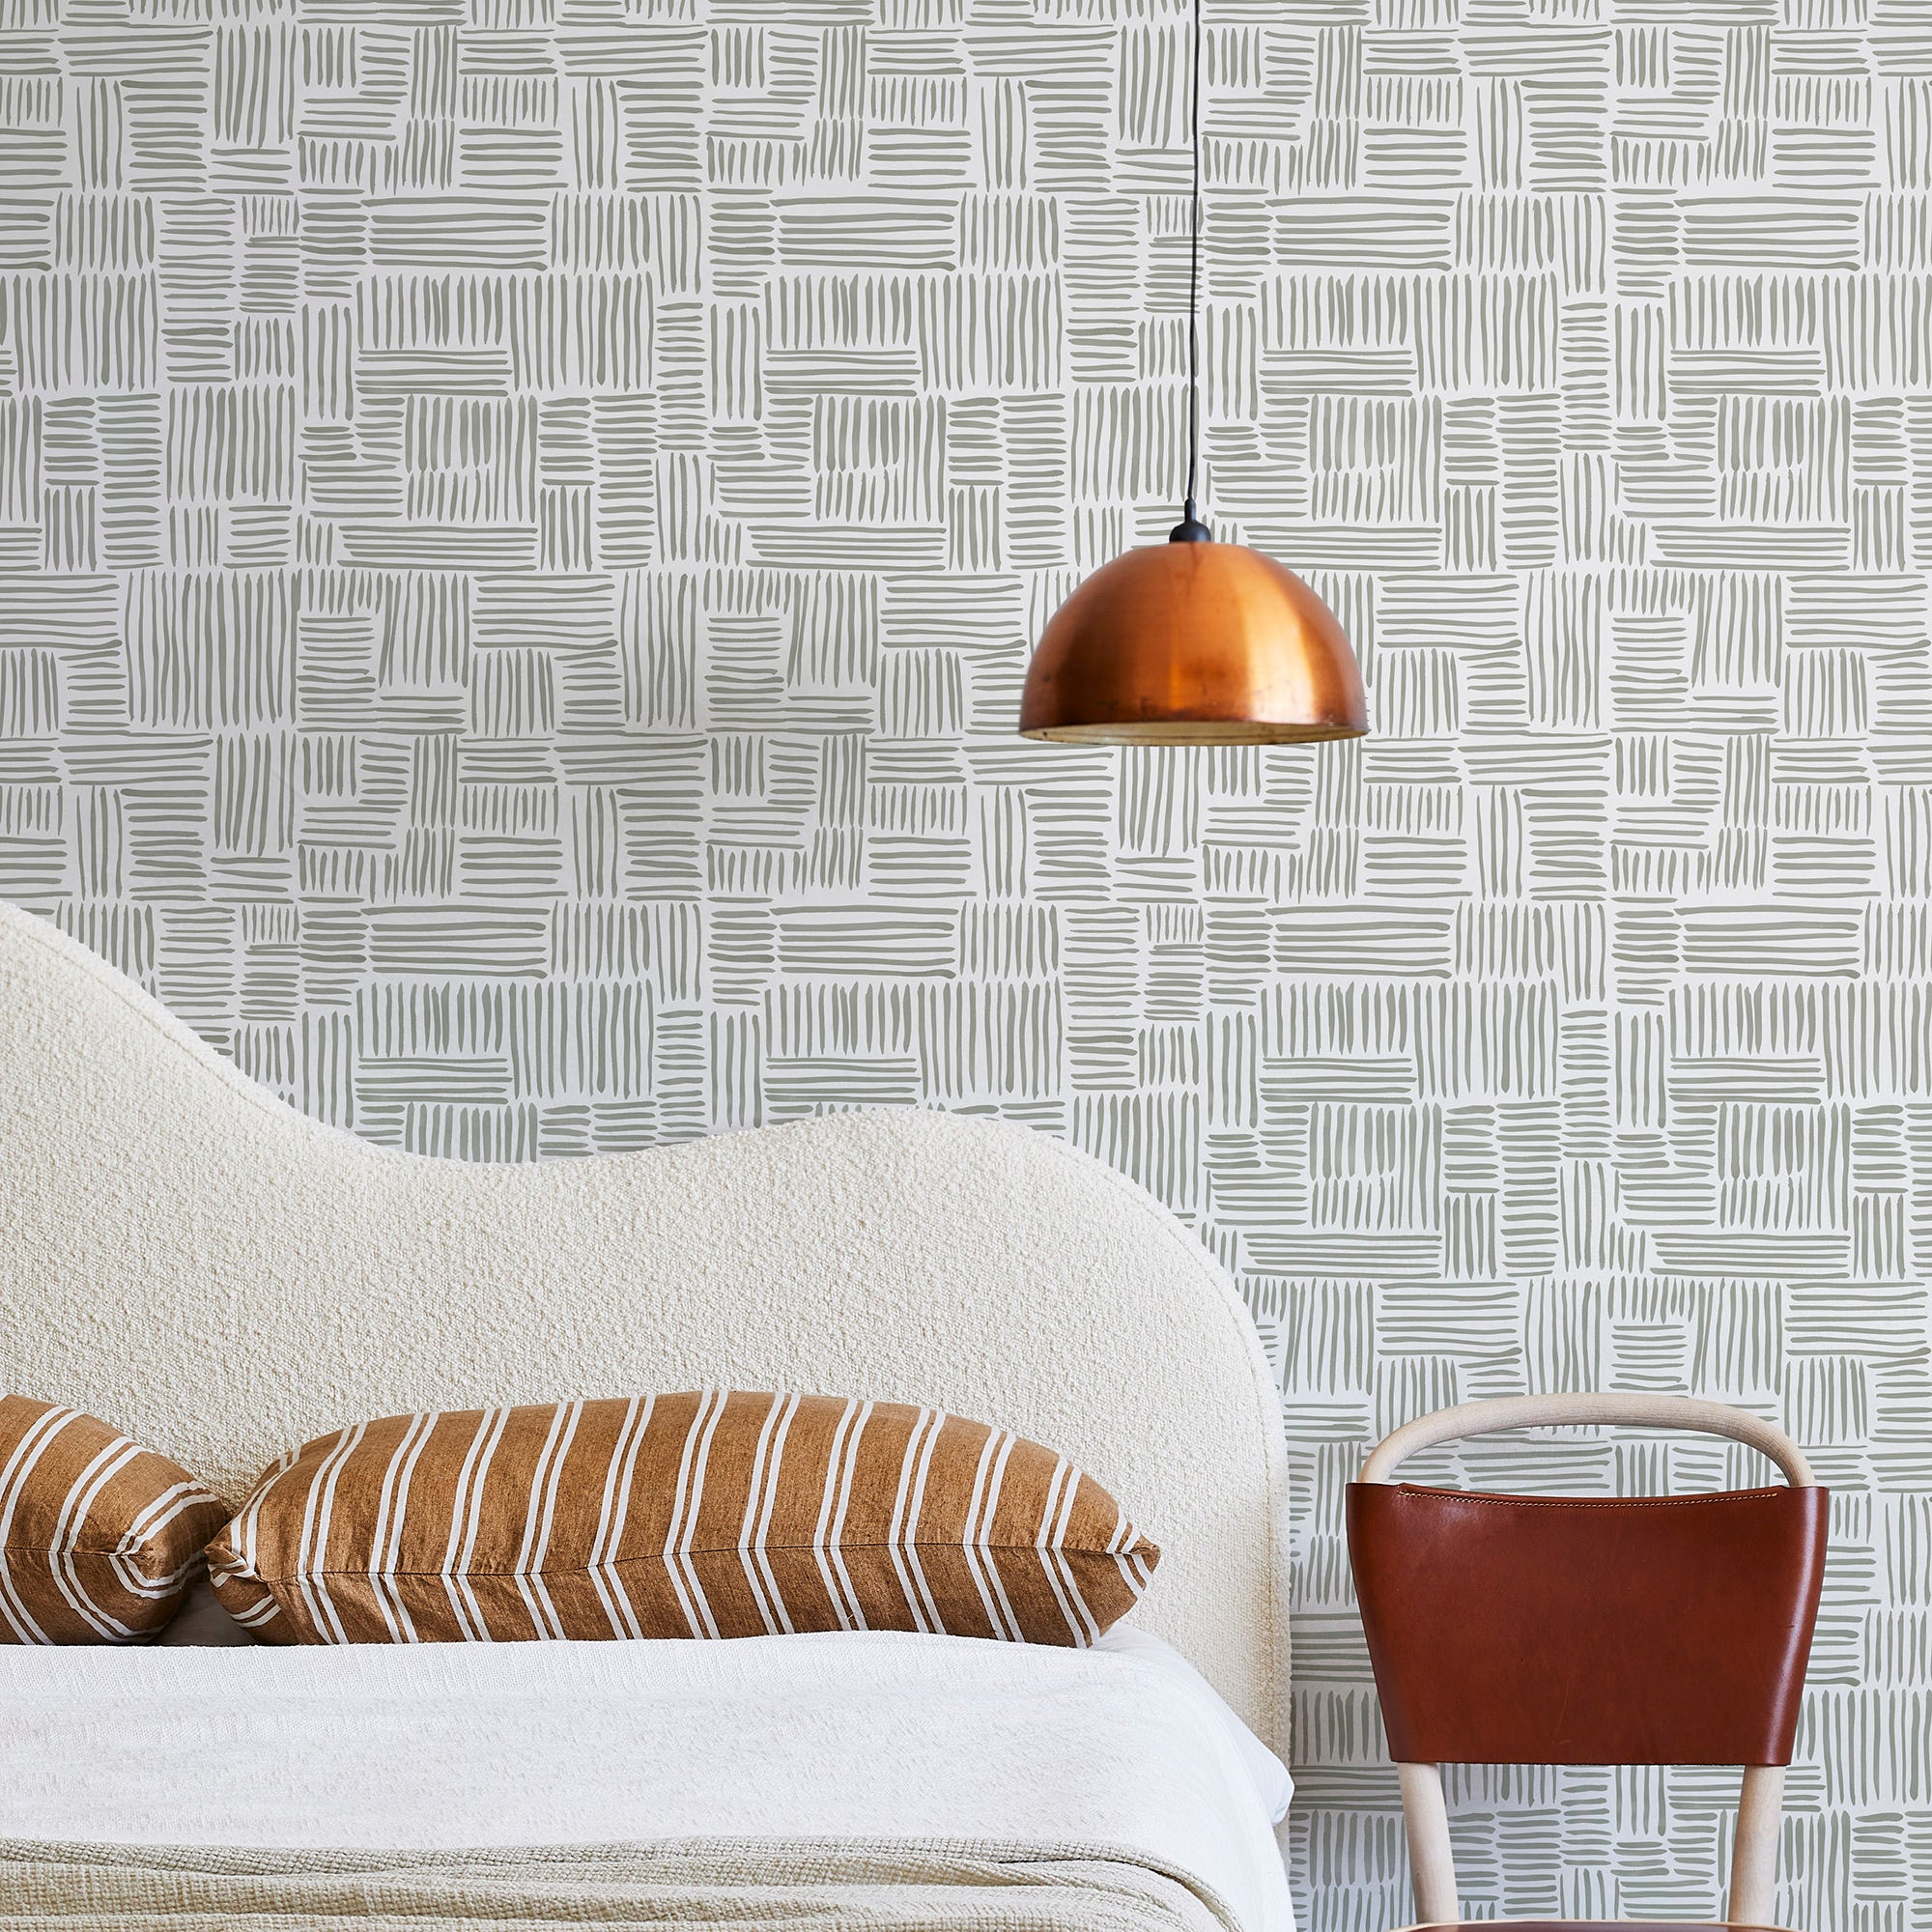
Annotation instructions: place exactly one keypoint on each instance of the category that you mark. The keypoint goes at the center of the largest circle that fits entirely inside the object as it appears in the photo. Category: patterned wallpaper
(521, 523)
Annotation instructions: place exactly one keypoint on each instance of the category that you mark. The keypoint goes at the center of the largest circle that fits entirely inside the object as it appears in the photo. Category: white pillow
(1272, 1783)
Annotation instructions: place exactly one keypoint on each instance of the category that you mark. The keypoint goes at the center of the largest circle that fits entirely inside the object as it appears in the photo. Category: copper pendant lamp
(1193, 642)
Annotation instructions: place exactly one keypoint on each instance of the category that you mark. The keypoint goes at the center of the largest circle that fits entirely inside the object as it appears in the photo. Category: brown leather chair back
(1513, 1630)
(1585, 1630)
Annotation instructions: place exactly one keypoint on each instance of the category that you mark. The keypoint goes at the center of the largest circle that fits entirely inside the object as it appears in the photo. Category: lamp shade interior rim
(1184, 731)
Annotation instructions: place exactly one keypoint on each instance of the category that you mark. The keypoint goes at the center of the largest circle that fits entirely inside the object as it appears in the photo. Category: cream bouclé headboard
(186, 1256)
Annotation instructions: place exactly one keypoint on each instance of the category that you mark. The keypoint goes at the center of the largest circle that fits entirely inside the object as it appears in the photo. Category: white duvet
(870, 1735)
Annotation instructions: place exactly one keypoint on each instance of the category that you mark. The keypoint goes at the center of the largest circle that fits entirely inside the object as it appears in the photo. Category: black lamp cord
(1191, 528)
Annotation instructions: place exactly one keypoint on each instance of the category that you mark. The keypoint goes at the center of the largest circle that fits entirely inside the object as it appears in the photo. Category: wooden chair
(1527, 1630)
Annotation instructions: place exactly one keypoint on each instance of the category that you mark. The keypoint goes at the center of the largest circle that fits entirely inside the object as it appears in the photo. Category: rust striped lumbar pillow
(99, 1539)
(707, 1515)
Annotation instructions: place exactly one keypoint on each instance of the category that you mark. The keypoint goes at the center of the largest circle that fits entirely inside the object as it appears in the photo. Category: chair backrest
(1656, 1629)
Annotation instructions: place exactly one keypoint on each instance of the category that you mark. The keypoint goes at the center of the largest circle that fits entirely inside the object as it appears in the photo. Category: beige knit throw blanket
(750, 1885)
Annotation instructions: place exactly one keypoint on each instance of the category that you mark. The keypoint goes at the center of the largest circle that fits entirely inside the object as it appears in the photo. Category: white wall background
(522, 522)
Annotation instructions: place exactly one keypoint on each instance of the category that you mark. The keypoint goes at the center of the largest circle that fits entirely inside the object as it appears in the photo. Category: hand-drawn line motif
(520, 528)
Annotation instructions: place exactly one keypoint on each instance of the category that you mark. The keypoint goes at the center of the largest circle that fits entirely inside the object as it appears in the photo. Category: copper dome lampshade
(1193, 642)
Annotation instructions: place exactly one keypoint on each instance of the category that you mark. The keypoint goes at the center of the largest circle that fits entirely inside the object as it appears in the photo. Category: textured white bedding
(872, 1736)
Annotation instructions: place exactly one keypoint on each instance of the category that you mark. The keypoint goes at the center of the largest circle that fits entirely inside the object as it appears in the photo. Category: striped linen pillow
(709, 1515)
(99, 1539)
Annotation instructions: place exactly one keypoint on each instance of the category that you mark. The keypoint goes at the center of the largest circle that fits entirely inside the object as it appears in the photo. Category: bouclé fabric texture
(225, 1279)
(99, 1538)
(705, 1514)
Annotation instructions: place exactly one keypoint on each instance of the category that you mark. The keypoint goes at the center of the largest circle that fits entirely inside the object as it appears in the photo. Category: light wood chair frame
(1761, 1799)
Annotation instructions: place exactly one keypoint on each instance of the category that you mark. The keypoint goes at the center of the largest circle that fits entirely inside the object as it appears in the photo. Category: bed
(224, 1278)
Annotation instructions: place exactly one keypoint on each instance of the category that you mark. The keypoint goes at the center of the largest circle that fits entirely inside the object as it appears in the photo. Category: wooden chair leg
(1754, 1855)
(1432, 1869)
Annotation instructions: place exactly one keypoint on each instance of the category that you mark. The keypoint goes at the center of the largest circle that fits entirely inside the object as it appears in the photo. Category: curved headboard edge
(18, 927)
(146, 1263)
